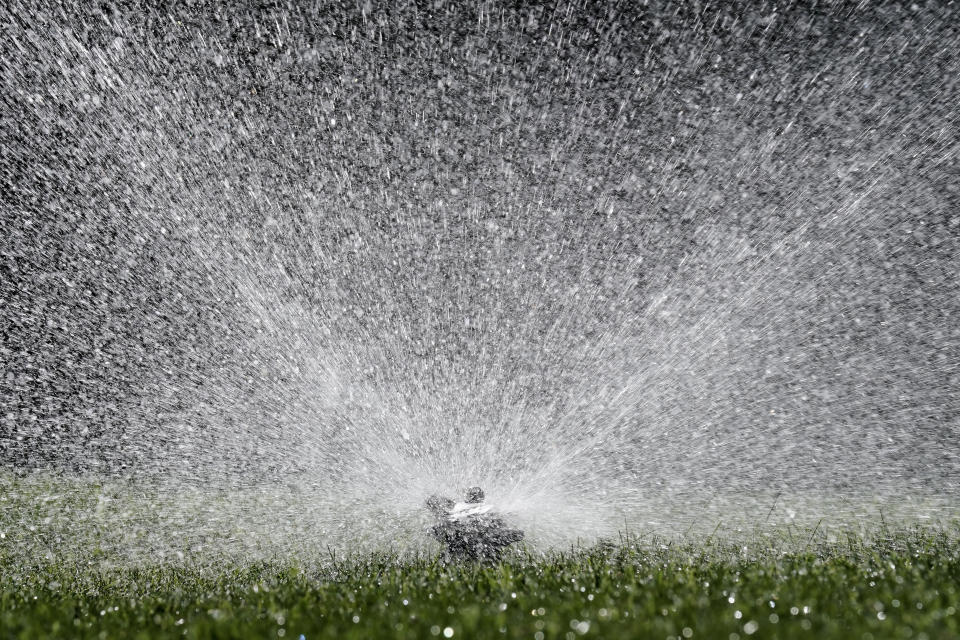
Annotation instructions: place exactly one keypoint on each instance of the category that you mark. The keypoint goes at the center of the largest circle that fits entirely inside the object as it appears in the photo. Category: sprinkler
(470, 530)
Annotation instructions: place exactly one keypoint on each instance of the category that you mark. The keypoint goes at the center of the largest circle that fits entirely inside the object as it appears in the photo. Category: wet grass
(899, 584)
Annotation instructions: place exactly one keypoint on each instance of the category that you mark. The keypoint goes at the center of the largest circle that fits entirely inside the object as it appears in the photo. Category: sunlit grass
(899, 584)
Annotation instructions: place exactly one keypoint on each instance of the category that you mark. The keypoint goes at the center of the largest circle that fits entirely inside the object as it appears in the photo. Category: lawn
(900, 583)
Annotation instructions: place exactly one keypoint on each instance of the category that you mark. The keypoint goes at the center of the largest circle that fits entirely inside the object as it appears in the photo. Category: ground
(901, 584)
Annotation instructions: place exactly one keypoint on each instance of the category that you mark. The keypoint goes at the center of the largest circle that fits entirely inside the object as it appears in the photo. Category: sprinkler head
(439, 506)
(471, 531)
(474, 495)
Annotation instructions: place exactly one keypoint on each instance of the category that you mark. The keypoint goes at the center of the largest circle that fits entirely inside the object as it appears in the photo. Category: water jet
(270, 279)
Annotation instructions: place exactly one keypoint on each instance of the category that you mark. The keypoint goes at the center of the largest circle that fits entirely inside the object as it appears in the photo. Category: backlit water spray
(270, 279)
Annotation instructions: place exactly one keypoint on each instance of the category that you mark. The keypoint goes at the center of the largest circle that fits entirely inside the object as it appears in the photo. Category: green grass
(900, 584)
